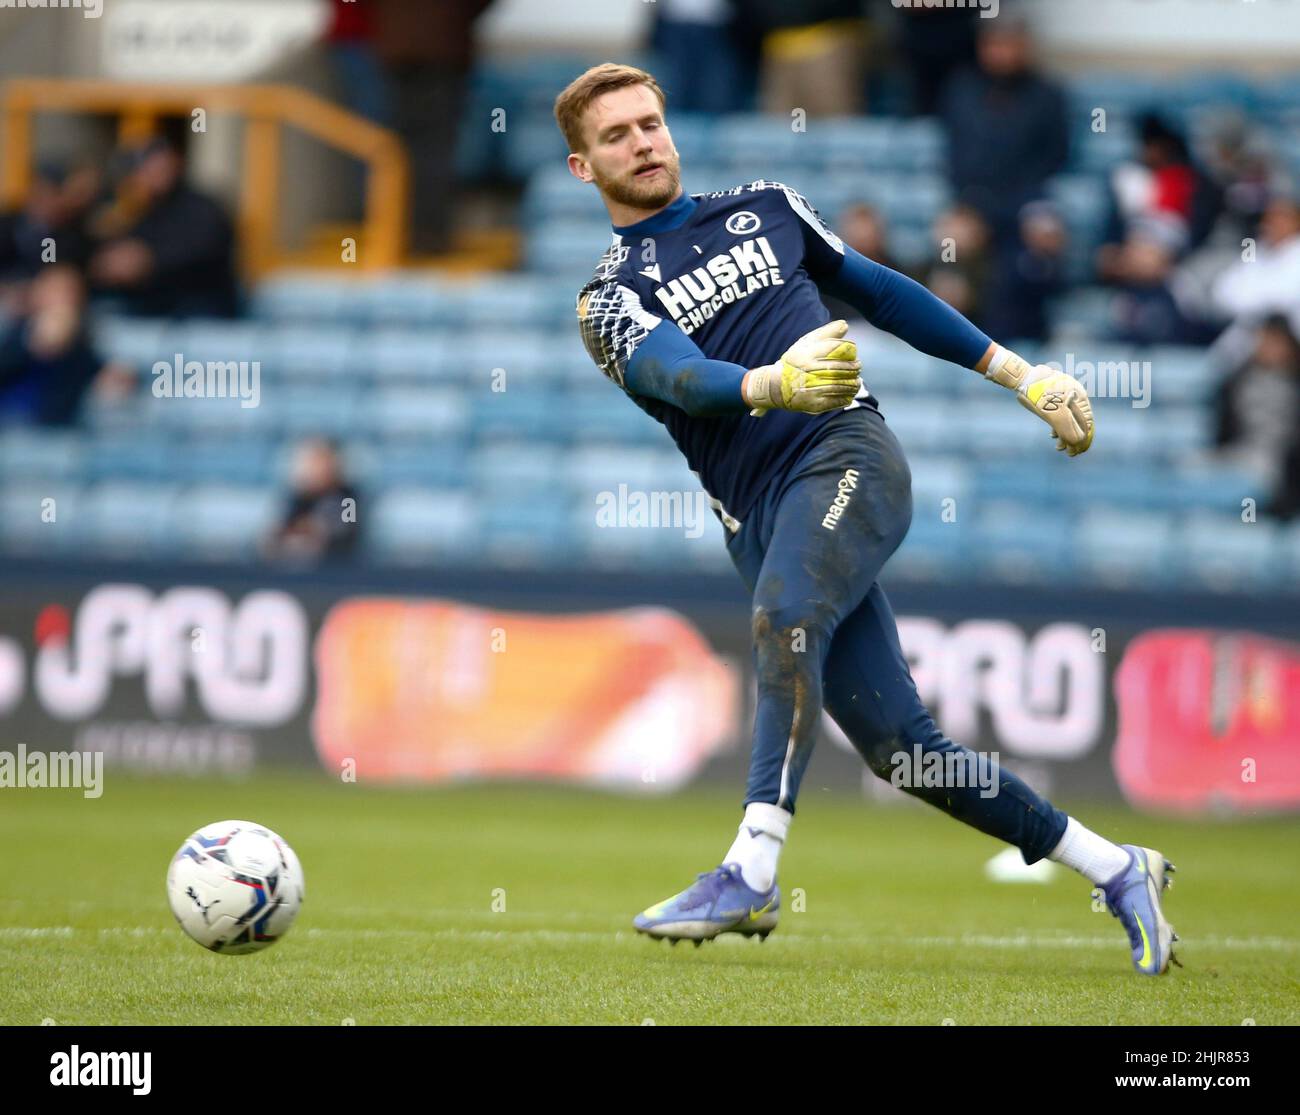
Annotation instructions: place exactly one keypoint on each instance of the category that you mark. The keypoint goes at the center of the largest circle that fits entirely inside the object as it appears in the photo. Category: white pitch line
(1044, 940)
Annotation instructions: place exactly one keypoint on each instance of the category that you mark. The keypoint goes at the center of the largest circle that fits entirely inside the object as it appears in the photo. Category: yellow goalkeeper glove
(819, 372)
(1058, 399)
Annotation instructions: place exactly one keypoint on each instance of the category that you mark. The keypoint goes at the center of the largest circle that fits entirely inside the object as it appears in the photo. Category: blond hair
(577, 96)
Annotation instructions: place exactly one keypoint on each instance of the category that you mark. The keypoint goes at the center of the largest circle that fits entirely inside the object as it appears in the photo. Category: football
(235, 887)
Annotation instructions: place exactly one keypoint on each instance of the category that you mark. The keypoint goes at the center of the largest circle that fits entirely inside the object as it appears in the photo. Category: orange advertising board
(432, 690)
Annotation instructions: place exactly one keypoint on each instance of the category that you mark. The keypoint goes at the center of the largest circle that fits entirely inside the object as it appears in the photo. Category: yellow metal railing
(266, 110)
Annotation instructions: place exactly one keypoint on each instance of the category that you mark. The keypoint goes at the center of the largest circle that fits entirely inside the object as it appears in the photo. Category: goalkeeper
(705, 310)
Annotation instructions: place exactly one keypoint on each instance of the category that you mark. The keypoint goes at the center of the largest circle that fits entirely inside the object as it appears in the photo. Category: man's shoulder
(611, 267)
(762, 187)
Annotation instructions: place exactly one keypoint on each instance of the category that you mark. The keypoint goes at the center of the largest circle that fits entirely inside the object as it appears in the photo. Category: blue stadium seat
(420, 356)
(421, 526)
(237, 461)
(521, 411)
(433, 465)
(331, 410)
(918, 424)
(307, 297)
(936, 479)
(1019, 542)
(1224, 553)
(31, 525)
(131, 457)
(515, 470)
(569, 248)
(131, 519)
(135, 341)
(1117, 547)
(315, 353)
(1182, 374)
(415, 413)
(601, 412)
(553, 194)
(206, 340)
(526, 531)
(51, 454)
(224, 522)
(588, 470)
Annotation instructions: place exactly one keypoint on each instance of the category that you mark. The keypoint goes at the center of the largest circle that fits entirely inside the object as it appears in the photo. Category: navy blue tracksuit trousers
(811, 550)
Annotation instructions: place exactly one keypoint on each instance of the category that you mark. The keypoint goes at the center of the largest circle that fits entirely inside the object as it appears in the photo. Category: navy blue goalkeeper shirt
(737, 274)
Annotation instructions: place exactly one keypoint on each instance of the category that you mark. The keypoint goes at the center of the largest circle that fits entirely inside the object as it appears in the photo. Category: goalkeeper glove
(819, 372)
(1058, 399)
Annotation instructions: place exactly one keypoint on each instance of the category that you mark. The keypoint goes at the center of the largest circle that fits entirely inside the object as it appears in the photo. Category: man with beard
(705, 310)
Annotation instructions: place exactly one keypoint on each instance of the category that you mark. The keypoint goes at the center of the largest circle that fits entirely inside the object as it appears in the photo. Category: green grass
(900, 924)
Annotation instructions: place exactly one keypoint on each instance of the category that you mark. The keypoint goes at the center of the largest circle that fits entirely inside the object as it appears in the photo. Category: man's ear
(580, 168)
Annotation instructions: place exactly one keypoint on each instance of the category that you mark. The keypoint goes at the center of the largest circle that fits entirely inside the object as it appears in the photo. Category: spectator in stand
(1006, 125)
(703, 67)
(320, 520)
(962, 273)
(1259, 413)
(861, 227)
(1162, 184)
(1240, 163)
(1028, 277)
(47, 361)
(50, 228)
(812, 54)
(351, 39)
(166, 250)
(1270, 281)
(935, 43)
(1146, 309)
(427, 51)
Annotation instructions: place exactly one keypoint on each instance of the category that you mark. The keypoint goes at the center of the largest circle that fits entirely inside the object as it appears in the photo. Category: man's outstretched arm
(903, 307)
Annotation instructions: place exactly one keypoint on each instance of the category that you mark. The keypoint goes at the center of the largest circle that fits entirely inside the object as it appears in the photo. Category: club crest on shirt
(743, 223)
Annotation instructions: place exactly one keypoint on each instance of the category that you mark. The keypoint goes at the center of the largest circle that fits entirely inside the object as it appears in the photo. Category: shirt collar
(666, 220)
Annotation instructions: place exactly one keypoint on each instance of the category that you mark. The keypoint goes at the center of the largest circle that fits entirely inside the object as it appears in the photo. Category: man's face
(630, 154)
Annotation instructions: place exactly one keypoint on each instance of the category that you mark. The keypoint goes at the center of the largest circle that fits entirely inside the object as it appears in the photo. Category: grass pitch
(900, 924)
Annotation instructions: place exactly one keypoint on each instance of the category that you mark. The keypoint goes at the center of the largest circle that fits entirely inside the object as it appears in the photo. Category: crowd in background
(136, 238)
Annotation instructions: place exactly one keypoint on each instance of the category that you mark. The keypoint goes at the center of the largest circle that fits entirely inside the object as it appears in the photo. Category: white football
(235, 887)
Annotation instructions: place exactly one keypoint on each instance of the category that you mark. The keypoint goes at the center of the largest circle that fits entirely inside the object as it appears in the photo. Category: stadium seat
(431, 465)
(1225, 553)
(420, 526)
(1019, 542)
(315, 353)
(397, 412)
(50, 454)
(306, 297)
(328, 410)
(130, 457)
(42, 517)
(419, 356)
(130, 519)
(1134, 548)
(224, 522)
(135, 341)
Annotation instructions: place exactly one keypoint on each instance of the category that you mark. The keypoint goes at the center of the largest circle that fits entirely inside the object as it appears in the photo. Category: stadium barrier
(266, 109)
(1177, 702)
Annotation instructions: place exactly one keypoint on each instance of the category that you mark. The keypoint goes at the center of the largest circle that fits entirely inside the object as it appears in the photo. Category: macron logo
(653, 272)
(848, 483)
